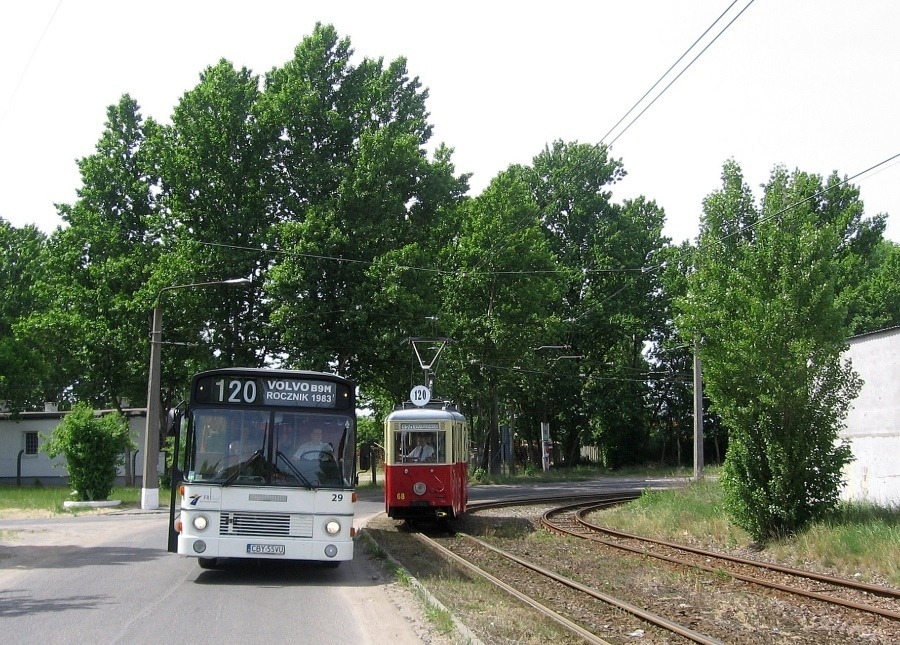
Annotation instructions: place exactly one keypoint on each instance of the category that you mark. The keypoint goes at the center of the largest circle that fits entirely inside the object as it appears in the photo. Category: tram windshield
(265, 447)
(420, 447)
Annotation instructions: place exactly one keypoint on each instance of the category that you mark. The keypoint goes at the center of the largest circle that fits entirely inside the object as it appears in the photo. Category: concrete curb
(420, 589)
(100, 504)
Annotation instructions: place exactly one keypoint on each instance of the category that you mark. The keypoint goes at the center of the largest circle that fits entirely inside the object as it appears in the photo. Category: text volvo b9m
(265, 467)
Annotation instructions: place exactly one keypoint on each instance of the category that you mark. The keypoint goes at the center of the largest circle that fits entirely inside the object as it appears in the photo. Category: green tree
(608, 254)
(215, 224)
(765, 298)
(497, 303)
(22, 262)
(94, 447)
(875, 302)
(91, 318)
(357, 199)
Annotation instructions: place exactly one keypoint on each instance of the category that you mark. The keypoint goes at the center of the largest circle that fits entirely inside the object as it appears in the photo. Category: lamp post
(150, 478)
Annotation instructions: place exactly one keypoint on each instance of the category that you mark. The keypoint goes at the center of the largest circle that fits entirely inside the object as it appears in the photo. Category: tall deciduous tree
(22, 263)
(497, 303)
(765, 298)
(875, 302)
(93, 316)
(354, 193)
(215, 225)
(608, 252)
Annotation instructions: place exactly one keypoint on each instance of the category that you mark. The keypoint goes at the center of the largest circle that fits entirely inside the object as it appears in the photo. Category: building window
(31, 443)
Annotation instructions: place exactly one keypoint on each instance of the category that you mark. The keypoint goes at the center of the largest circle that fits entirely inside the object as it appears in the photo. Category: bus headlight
(200, 522)
(332, 527)
(419, 488)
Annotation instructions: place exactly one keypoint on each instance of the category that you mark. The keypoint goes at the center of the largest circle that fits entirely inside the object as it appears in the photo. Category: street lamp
(150, 478)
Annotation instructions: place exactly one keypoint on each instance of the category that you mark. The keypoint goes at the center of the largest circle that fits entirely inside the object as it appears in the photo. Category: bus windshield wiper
(239, 469)
(294, 471)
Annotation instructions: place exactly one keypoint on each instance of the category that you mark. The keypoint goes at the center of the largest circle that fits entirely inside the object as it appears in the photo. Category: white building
(21, 461)
(873, 422)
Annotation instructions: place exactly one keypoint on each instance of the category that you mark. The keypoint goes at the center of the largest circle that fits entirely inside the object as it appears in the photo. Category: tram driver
(423, 451)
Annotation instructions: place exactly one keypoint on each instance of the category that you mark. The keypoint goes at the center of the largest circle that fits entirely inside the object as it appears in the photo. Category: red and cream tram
(426, 461)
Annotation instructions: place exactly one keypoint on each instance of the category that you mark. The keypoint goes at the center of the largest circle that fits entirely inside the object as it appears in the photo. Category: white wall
(40, 466)
(873, 422)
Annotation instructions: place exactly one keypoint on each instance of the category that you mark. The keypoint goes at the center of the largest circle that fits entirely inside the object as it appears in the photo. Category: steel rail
(556, 526)
(579, 499)
(649, 616)
(531, 602)
(878, 590)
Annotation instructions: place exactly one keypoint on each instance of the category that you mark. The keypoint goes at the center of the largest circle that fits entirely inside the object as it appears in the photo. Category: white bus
(265, 467)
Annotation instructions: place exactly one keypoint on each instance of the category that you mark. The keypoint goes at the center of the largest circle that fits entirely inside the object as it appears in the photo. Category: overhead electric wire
(460, 272)
(28, 64)
(694, 60)
(502, 243)
(666, 73)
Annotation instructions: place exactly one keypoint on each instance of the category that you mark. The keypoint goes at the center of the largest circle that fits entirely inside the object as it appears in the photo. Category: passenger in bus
(424, 451)
(314, 447)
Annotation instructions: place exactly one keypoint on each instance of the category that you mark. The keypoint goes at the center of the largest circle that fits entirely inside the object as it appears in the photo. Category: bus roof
(271, 371)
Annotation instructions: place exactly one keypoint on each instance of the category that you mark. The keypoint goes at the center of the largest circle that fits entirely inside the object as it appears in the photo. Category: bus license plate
(265, 549)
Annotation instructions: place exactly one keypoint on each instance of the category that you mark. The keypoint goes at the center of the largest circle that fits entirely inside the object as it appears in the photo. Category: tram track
(598, 596)
(584, 621)
(874, 599)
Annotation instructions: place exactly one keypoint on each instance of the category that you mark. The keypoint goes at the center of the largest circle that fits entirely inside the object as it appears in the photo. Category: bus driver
(314, 446)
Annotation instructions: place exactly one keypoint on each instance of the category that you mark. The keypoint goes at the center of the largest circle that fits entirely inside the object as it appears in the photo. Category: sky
(807, 84)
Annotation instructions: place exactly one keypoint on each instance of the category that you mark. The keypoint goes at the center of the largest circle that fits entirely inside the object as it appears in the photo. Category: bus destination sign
(293, 392)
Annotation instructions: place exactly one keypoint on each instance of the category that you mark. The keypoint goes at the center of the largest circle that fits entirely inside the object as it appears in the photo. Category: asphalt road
(109, 579)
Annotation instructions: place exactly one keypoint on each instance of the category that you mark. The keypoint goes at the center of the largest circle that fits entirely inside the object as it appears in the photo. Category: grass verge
(854, 540)
(49, 499)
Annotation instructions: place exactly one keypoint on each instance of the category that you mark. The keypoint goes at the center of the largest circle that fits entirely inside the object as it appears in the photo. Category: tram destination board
(275, 390)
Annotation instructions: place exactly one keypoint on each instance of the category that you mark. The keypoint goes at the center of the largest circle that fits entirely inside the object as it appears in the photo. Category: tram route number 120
(236, 391)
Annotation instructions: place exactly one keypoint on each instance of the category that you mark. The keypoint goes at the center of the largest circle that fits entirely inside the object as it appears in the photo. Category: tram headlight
(419, 488)
(332, 527)
(200, 522)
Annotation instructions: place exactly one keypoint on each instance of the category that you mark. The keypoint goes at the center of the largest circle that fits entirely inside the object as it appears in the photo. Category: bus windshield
(263, 447)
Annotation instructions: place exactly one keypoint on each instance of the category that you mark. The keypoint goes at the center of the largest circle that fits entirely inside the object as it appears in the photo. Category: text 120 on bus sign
(271, 391)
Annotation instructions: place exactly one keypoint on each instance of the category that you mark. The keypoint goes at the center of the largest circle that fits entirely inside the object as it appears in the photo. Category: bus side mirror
(174, 418)
(365, 456)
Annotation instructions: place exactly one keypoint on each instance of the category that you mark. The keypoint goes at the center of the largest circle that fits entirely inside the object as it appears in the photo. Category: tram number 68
(401, 495)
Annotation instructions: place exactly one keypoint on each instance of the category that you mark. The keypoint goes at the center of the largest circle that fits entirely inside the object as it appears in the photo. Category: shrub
(94, 447)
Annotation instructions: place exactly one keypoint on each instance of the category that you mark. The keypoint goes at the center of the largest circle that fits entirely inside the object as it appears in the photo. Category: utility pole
(150, 474)
(698, 414)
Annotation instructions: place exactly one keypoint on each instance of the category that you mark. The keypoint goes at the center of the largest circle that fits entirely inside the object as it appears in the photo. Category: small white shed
(21, 460)
(873, 422)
